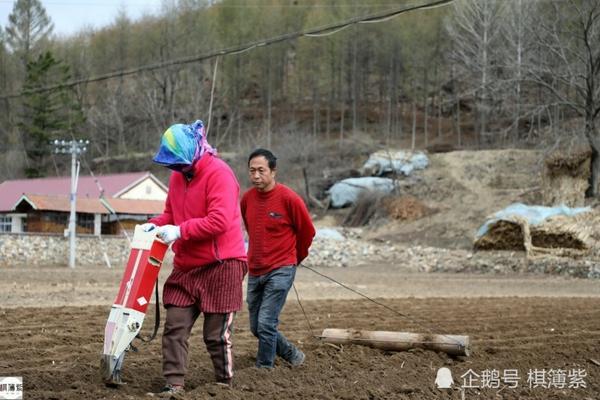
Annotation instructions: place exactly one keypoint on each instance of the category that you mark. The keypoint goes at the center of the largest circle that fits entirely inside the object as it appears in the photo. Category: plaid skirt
(214, 288)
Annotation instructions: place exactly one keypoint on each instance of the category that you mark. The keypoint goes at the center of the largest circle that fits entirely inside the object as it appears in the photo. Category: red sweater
(207, 212)
(279, 228)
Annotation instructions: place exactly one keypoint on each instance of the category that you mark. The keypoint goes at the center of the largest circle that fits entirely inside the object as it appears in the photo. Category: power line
(101, 3)
(298, 6)
(79, 3)
(319, 31)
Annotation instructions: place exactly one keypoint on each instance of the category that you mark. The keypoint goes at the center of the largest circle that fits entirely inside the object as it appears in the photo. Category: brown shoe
(169, 392)
(225, 383)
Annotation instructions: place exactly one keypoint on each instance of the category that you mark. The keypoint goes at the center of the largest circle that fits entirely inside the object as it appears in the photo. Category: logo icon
(11, 387)
(444, 379)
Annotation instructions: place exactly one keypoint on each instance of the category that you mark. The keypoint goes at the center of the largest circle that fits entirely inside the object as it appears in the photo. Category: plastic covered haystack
(398, 161)
(346, 192)
(560, 230)
(533, 215)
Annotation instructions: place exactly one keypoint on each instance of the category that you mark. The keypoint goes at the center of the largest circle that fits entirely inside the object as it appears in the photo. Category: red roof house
(104, 203)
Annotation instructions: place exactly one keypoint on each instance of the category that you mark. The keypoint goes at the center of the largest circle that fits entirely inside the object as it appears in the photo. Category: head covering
(182, 145)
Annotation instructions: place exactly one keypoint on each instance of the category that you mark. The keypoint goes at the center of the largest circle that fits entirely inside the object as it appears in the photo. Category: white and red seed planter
(129, 308)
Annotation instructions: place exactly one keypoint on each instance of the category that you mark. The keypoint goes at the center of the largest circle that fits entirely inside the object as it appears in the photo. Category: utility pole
(75, 147)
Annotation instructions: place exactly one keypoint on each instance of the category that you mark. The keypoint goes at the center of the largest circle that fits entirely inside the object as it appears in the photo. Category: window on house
(56, 218)
(5, 223)
(86, 221)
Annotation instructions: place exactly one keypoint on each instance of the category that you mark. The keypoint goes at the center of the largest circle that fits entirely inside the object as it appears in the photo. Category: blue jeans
(266, 297)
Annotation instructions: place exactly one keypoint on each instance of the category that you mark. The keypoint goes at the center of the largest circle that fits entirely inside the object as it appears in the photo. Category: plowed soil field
(523, 347)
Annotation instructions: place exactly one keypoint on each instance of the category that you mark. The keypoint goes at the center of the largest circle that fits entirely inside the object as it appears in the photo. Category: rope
(310, 328)
(384, 306)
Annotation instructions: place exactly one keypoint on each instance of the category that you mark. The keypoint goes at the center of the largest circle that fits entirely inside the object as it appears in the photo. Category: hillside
(463, 187)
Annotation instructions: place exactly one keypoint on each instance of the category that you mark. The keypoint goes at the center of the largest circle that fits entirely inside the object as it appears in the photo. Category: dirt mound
(464, 187)
(406, 207)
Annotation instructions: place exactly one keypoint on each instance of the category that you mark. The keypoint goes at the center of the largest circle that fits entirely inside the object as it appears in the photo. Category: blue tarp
(534, 215)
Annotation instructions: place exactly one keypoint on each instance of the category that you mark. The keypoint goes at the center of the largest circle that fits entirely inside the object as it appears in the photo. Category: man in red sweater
(202, 218)
(280, 233)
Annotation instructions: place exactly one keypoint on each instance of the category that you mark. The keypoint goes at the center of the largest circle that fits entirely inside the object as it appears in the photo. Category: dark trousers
(217, 332)
(266, 297)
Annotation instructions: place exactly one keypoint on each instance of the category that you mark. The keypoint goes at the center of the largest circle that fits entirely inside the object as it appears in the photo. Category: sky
(70, 16)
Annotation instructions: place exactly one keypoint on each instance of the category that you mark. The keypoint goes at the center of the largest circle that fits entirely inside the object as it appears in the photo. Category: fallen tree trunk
(399, 341)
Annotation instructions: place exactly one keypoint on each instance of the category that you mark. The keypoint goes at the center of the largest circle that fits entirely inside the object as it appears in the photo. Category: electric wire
(314, 32)
(212, 95)
(102, 198)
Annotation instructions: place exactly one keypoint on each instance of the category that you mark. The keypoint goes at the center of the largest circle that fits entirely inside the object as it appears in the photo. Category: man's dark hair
(270, 157)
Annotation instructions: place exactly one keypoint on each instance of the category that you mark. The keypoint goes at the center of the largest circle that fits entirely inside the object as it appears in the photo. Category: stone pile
(346, 247)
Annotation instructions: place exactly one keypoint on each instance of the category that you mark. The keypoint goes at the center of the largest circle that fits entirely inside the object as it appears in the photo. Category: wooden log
(399, 341)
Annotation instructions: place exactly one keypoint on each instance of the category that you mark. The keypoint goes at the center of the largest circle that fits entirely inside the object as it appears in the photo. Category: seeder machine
(129, 309)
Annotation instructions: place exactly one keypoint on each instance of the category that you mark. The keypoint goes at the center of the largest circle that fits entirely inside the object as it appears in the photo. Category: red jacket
(279, 228)
(207, 212)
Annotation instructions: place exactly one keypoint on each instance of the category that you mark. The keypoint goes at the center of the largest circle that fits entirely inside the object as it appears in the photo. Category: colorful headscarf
(182, 145)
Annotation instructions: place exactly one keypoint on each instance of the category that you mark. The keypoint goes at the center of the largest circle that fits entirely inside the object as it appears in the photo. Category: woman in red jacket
(202, 218)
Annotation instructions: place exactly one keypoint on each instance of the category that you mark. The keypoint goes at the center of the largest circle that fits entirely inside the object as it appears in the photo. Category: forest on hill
(464, 73)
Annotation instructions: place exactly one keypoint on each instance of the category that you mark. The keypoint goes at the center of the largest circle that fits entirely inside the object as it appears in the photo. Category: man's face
(261, 176)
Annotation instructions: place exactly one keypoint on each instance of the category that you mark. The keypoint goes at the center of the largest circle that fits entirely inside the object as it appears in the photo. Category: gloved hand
(169, 233)
(147, 227)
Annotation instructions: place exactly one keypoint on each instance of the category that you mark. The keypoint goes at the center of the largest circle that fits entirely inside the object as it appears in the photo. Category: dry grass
(375, 206)
(405, 207)
(503, 235)
(365, 208)
(566, 172)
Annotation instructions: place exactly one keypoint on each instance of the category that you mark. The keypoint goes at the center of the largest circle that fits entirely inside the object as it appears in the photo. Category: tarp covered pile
(557, 230)
(401, 163)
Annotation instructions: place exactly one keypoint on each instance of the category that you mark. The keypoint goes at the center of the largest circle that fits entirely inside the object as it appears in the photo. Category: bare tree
(569, 33)
(12, 157)
(519, 52)
(476, 32)
(4, 87)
